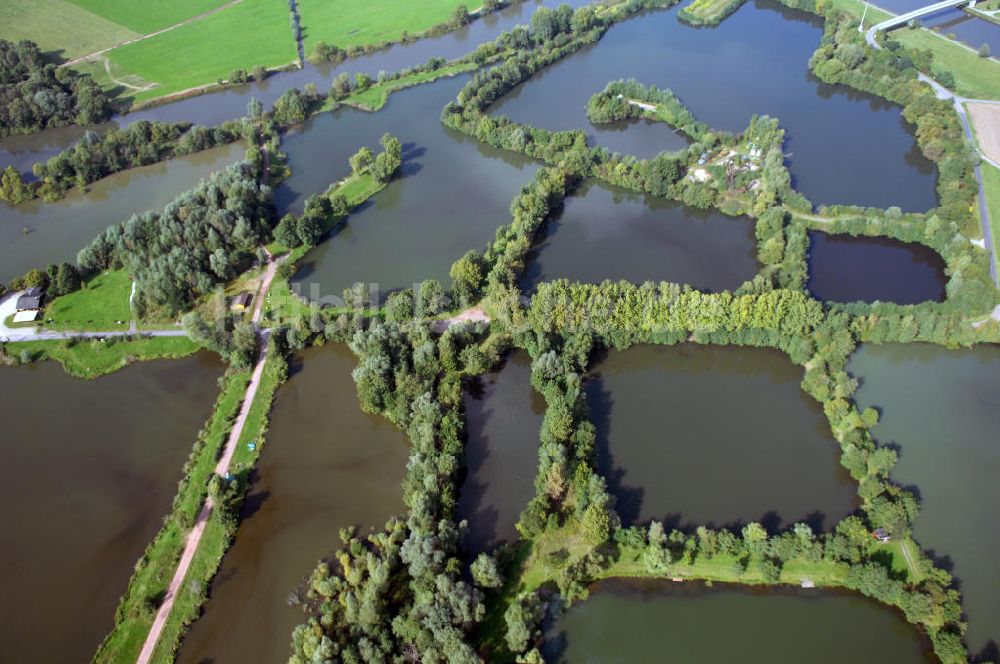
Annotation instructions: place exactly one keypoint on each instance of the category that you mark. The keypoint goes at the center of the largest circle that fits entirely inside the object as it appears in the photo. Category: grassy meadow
(59, 26)
(146, 16)
(991, 183)
(975, 76)
(253, 32)
(346, 23)
(99, 305)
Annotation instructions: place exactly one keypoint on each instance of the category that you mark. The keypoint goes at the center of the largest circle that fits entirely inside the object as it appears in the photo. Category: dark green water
(942, 408)
(715, 435)
(843, 146)
(504, 418)
(89, 471)
(57, 231)
(326, 465)
(633, 623)
(605, 232)
(452, 194)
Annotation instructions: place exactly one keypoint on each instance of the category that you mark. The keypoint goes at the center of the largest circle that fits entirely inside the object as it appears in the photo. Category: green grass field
(254, 32)
(346, 23)
(92, 359)
(146, 16)
(991, 183)
(975, 77)
(59, 26)
(856, 8)
(98, 306)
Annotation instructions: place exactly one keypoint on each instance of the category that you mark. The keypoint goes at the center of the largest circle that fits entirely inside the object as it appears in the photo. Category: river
(228, 104)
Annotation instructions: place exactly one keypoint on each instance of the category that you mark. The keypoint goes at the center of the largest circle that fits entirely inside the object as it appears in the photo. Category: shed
(26, 316)
(881, 535)
(242, 301)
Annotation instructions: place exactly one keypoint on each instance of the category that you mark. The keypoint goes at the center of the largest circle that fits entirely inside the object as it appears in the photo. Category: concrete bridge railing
(902, 19)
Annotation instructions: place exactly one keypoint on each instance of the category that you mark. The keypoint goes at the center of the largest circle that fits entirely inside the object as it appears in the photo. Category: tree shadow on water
(989, 653)
(555, 645)
(628, 500)
(411, 153)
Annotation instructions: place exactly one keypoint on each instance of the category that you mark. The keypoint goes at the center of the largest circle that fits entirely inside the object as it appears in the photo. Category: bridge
(903, 19)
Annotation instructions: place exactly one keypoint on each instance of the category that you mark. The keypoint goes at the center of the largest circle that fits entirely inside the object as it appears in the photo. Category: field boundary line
(91, 56)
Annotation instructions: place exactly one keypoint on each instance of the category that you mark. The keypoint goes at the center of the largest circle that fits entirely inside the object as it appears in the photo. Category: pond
(843, 268)
(451, 195)
(632, 622)
(90, 469)
(715, 435)
(326, 465)
(942, 409)
(504, 416)
(35, 234)
(604, 232)
(843, 146)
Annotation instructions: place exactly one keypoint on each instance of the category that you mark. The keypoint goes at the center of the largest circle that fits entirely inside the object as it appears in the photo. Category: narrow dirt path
(90, 56)
(137, 88)
(909, 559)
(193, 539)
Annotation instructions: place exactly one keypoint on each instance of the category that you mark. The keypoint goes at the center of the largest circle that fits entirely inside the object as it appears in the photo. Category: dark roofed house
(881, 535)
(30, 300)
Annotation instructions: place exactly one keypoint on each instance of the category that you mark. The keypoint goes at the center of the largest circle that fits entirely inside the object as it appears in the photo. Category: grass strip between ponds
(94, 358)
(282, 304)
(155, 569)
(374, 97)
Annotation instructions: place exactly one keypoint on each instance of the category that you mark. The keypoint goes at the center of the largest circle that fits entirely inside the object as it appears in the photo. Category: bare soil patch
(986, 120)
